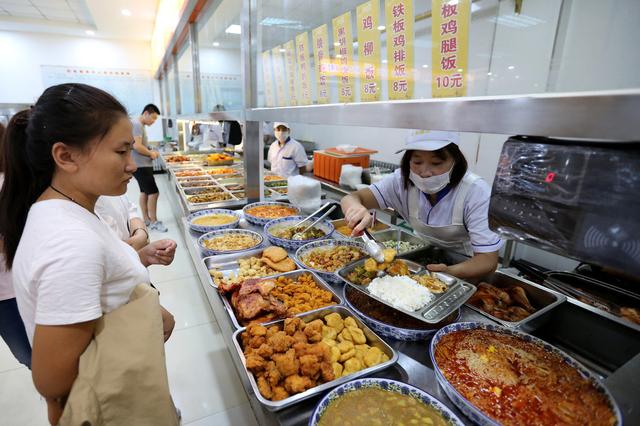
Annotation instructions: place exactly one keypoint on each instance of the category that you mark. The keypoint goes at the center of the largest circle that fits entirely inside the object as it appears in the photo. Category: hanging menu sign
(302, 51)
(267, 78)
(399, 17)
(344, 54)
(367, 18)
(290, 65)
(278, 73)
(449, 51)
(320, 41)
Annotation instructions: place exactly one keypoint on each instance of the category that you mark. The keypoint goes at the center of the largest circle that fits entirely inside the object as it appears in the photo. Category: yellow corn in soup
(374, 406)
(214, 220)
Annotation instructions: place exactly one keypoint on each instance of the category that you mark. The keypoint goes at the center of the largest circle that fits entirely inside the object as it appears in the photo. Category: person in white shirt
(68, 267)
(444, 203)
(286, 155)
(11, 327)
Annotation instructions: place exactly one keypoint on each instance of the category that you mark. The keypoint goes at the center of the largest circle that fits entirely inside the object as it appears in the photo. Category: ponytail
(71, 113)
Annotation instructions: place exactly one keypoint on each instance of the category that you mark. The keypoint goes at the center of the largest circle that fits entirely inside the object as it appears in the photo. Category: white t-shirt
(117, 212)
(390, 192)
(287, 160)
(70, 267)
(6, 286)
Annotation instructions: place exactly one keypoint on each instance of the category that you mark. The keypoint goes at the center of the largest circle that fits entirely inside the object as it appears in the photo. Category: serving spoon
(299, 235)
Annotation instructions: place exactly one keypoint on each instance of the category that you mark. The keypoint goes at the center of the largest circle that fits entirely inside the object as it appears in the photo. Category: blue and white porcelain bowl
(291, 245)
(388, 330)
(470, 410)
(209, 228)
(225, 232)
(387, 385)
(327, 276)
(261, 221)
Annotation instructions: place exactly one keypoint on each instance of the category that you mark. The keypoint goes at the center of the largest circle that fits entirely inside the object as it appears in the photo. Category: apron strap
(457, 218)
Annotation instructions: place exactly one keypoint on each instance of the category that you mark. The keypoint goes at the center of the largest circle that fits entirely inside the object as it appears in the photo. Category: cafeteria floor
(204, 383)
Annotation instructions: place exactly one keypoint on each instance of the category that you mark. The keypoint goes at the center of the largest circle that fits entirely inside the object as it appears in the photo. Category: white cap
(280, 123)
(429, 140)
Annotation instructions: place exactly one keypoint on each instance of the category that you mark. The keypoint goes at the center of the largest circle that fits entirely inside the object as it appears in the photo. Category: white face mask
(432, 184)
(281, 136)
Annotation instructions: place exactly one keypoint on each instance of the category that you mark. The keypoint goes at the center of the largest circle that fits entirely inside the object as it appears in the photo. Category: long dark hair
(1, 148)
(450, 151)
(71, 113)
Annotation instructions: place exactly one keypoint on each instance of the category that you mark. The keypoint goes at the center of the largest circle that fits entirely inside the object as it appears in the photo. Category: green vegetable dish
(288, 233)
(402, 246)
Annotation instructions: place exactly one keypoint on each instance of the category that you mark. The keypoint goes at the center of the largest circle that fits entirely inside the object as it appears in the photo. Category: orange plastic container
(328, 166)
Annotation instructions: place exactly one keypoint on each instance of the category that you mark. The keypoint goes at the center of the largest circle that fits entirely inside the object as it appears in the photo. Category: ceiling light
(425, 66)
(216, 44)
(338, 56)
(126, 12)
(283, 50)
(510, 67)
(459, 69)
(517, 77)
(517, 21)
(90, 32)
(336, 44)
(489, 73)
(233, 29)
(381, 28)
(384, 61)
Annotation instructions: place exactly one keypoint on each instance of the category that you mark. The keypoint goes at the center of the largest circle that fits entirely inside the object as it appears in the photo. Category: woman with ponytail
(70, 271)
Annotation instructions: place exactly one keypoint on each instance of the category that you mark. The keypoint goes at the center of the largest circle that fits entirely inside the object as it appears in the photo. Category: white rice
(402, 292)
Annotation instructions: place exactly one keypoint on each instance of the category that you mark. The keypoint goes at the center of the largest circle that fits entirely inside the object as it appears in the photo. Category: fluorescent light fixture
(425, 66)
(282, 23)
(381, 28)
(216, 44)
(90, 32)
(517, 21)
(384, 61)
(126, 12)
(283, 50)
(459, 69)
(510, 67)
(233, 29)
(336, 44)
(338, 56)
(489, 73)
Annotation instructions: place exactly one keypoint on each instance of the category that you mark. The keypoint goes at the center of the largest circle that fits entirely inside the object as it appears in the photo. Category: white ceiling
(75, 17)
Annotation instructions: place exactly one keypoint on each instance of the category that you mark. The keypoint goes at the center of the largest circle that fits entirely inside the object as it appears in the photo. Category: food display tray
(540, 297)
(397, 234)
(439, 308)
(379, 226)
(474, 413)
(229, 263)
(291, 275)
(372, 340)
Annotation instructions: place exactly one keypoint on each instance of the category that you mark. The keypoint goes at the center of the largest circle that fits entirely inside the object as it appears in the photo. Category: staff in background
(444, 203)
(286, 155)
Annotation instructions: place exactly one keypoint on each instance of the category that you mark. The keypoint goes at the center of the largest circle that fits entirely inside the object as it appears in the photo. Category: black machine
(577, 198)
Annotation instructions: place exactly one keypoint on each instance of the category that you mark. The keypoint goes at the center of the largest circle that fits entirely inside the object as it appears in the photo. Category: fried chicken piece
(272, 330)
(373, 357)
(350, 322)
(357, 335)
(327, 372)
(335, 354)
(313, 330)
(345, 335)
(264, 387)
(309, 366)
(389, 254)
(255, 342)
(279, 393)
(351, 366)
(335, 321)
(280, 342)
(272, 374)
(329, 333)
(265, 351)
(255, 362)
(291, 325)
(398, 267)
(287, 363)
(300, 337)
(296, 383)
(337, 369)
(256, 330)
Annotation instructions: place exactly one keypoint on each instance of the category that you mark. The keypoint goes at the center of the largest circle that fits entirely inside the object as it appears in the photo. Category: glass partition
(310, 52)
(185, 68)
(219, 42)
(171, 86)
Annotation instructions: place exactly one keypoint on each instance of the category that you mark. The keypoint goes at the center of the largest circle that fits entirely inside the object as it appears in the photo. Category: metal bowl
(209, 228)
(391, 331)
(474, 413)
(261, 221)
(387, 385)
(209, 252)
(291, 245)
(327, 276)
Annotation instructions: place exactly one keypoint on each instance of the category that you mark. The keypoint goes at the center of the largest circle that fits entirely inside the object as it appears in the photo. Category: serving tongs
(300, 235)
(374, 249)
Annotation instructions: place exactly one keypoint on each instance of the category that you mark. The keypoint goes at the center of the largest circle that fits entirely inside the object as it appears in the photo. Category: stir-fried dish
(288, 232)
(517, 382)
(271, 211)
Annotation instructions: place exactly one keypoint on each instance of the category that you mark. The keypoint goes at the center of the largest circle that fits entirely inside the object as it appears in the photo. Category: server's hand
(358, 219)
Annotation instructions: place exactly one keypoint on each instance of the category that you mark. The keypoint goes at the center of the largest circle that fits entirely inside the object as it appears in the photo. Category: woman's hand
(438, 267)
(358, 219)
(159, 252)
(168, 323)
(54, 410)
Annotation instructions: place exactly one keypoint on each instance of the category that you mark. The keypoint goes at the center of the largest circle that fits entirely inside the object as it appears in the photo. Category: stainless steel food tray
(372, 340)
(397, 234)
(292, 275)
(439, 308)
(379, 225)
(541, 298)
(229, 263)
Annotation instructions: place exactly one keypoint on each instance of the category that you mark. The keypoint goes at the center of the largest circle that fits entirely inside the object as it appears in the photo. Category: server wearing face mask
(444, 203)
(286, 155)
